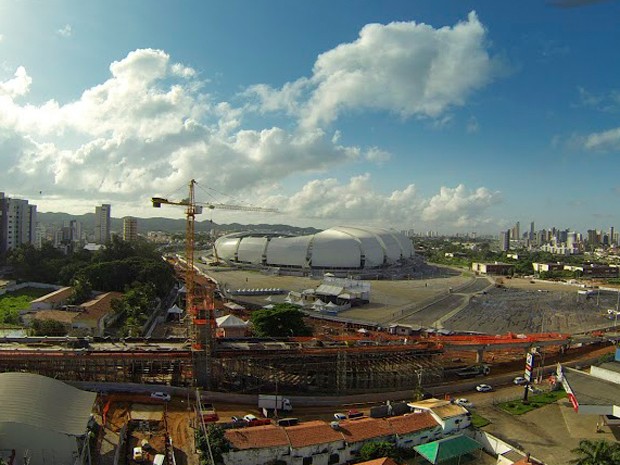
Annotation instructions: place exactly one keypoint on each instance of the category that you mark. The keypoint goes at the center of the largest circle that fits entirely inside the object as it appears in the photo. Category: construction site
(394, 343)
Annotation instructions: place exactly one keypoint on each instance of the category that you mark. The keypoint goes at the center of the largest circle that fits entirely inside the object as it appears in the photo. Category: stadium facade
(339, 248)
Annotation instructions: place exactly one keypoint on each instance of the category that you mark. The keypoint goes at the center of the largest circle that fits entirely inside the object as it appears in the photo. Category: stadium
(338, 248)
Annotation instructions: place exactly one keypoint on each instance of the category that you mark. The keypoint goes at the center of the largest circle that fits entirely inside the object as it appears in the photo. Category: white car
(519, 380)
(483, 388)
(340, 416)
(463, 403)
(161, 396)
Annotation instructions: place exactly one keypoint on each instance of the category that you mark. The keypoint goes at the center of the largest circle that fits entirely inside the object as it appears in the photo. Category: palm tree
(596, 453)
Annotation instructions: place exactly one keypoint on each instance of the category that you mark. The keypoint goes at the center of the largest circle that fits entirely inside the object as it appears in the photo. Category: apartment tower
(102, 223)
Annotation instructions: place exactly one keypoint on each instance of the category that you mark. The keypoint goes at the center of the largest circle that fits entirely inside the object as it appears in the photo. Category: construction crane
(198, 305)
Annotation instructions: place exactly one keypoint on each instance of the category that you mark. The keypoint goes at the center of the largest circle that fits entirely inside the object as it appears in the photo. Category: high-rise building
(612, 234)
(532, 233)
(18, 223)
(130, 228)
(504, 240)
(102, 223)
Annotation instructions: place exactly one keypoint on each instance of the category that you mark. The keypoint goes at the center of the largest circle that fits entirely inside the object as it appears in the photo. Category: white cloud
(357, 201)
(377, 155)
(65, 31)
(606, 140)
(16, 86)
(411, 69)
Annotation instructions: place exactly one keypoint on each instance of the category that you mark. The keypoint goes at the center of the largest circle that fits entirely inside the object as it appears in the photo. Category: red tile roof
(98, 307)
(364, 428)
(411, 423)
(62, 316)
(312, 432)
(257, 437)
(55, 297)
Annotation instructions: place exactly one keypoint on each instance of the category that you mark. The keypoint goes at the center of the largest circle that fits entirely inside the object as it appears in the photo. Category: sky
(450, 116)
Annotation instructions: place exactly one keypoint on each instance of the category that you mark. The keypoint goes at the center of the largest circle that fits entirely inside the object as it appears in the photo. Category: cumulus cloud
(18, 85)
(65, 31)
(358, 201)
(408, 68)
(377, 155)
(148, 129)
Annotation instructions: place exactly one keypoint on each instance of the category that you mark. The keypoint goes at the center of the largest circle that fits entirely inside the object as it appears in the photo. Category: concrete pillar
(479, 355)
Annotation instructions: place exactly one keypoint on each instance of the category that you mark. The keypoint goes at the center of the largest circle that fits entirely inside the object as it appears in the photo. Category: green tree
(596, 453)
(82, 292)
(48, 328)
(218, 442)
(376, 450)
(282, 320)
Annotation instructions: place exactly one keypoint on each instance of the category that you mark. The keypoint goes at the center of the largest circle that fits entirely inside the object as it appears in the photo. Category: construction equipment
(199, 304)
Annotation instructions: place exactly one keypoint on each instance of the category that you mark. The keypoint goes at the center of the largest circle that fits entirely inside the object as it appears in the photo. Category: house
(231, 326)
(360, 431)
(257, 445)
(451, 417)
(53, 300)
(95, 313)
(414, 429)
(315, 442)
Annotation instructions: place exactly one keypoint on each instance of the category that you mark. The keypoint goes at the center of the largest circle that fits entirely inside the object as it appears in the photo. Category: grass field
(478, 421)
(517, 407)
(12, 302)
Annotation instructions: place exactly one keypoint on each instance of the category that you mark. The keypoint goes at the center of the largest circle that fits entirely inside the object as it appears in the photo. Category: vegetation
(479, 421)
(596, 453)
(517, 407)
(376, 450)
(11, 304)
(48, 328)
(283, 320)
(134, 308)
(218, 442)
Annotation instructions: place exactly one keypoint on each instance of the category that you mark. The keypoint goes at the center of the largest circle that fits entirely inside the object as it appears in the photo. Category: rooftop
(591, 390)
(411, 423)
(63, 316)
(364, 428)
(310, 433)
(257, 437)
(98, 307)
(56, 296)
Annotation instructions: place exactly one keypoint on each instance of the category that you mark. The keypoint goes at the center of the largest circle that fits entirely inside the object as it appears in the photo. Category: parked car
(161, 396)
(340, 416)
(354, 414)
(483, 388)
(519, 380)
(464, 403)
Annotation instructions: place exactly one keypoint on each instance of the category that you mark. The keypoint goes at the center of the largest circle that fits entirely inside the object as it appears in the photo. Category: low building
(414, 429)
(449, 416)
(496, 268)
(45, 420)
(257, 445)
(594, 393)
(547, 267)
(231, 326)
(361, 431)
(52, 300)
(315, 442)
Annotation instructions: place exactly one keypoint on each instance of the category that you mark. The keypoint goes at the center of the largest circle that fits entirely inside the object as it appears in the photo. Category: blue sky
(426, 115)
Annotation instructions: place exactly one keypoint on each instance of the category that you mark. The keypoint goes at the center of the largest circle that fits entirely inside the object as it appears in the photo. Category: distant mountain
(168, 225)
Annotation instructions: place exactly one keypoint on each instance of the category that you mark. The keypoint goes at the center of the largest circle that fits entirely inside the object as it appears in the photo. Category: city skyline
(489, 117)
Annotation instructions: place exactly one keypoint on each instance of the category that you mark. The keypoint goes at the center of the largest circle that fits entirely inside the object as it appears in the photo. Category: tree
(48, 328)
(283, 320)
(218, 442)
(596, 453)
(376, 450)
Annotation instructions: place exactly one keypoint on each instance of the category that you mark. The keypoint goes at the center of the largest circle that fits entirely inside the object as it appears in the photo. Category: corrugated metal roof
(44, 402)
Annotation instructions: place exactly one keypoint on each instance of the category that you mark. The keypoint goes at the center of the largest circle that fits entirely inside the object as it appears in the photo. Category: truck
(474, 370)
(279, 403)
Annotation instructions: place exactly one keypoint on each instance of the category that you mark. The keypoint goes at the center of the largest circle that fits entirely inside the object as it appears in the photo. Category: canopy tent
(447, 448)
(175, 310)
(230, 321)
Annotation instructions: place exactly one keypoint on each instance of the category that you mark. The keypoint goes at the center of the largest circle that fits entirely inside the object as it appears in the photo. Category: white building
(449, 416)
(18, 223)
(343, 247)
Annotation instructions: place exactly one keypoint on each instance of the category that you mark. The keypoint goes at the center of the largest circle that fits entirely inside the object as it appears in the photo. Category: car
(353, 413)
(138, 455)
(519, 380)
(249, 418)
(161, 396)
(464, 403)
(340, 416)
(483, 388)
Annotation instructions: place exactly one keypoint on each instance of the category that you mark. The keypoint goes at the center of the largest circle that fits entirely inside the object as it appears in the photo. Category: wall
(319, 452)
(257, 456)
(605, 374)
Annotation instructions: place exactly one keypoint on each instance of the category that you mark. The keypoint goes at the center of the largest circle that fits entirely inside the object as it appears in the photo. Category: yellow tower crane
(198, 305)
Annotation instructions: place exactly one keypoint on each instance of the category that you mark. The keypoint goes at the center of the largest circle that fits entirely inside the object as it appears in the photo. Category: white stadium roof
(342, 247)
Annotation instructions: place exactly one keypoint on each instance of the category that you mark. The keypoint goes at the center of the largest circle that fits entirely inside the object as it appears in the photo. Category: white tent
(175, 310)
(230, 321)
(331, 305)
